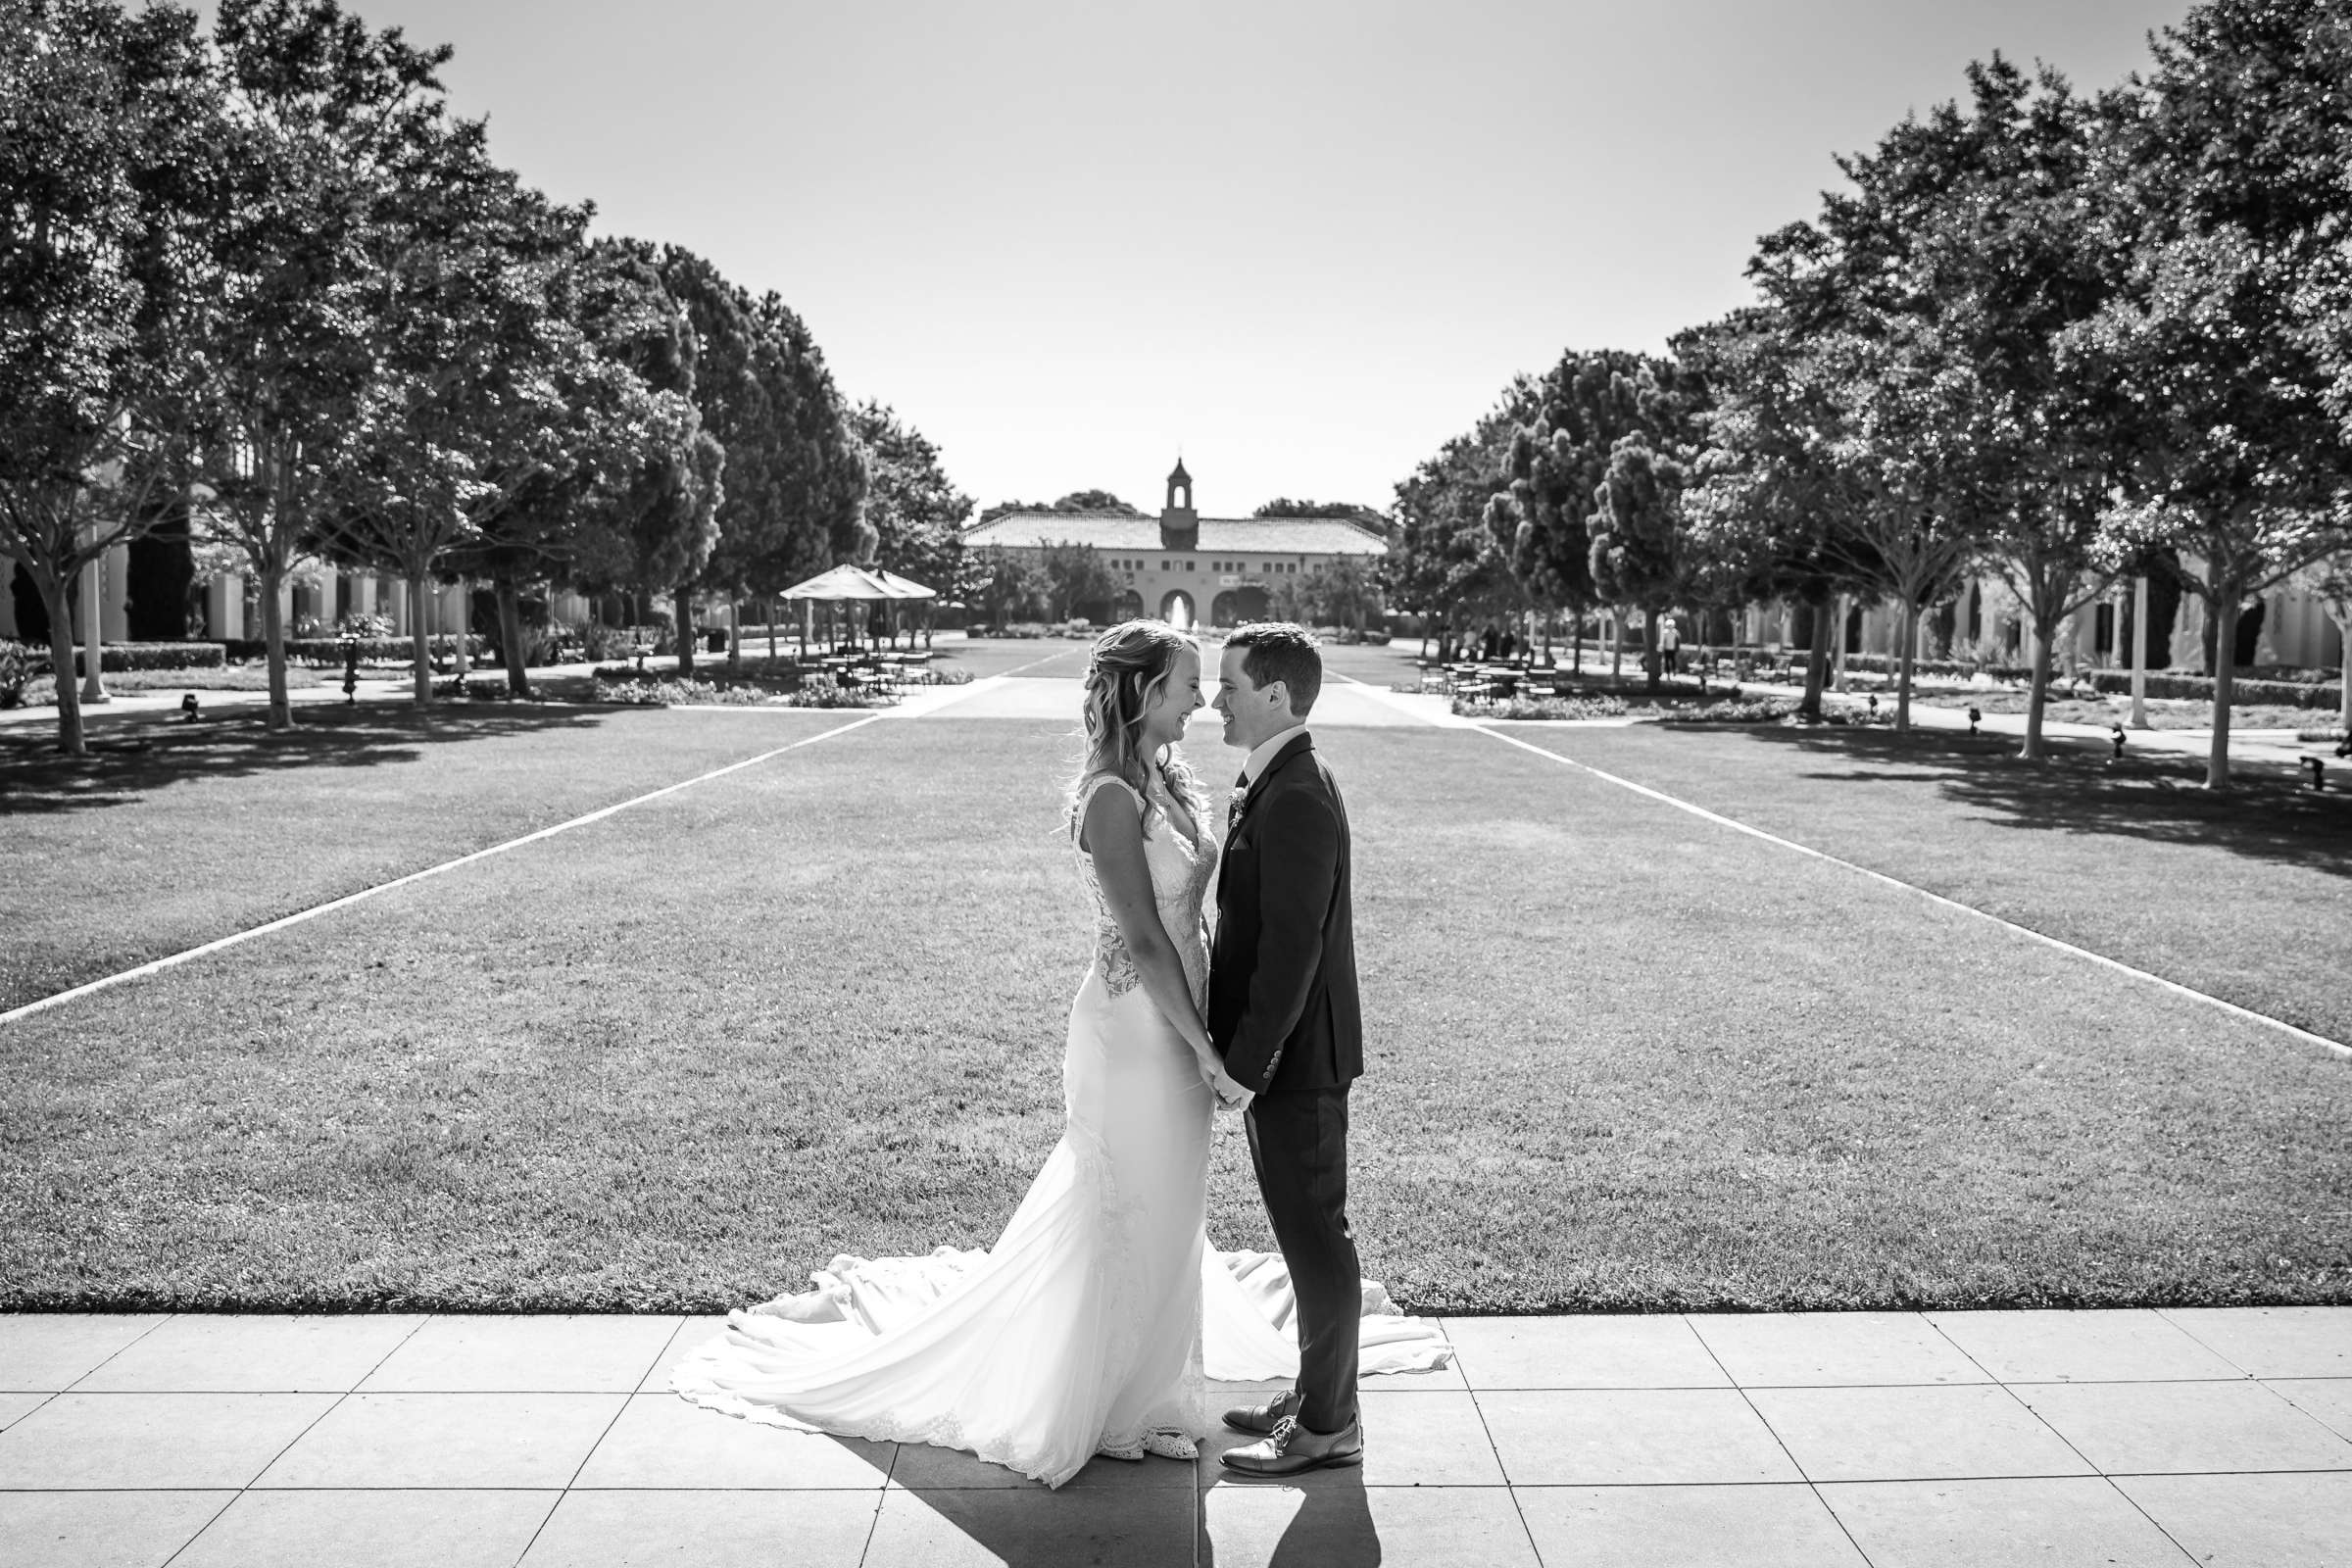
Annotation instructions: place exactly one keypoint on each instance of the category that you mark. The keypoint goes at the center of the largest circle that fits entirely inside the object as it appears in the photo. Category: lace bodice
(1180, 876)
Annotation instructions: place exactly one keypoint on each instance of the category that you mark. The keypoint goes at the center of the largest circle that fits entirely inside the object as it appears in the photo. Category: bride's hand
(1229, 1092)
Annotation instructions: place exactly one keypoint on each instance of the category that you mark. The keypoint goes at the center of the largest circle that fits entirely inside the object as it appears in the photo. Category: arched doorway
(1176, 608)
(1221, 609)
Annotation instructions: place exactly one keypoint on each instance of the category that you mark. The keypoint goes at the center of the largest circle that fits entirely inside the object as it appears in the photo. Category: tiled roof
(1107, 530)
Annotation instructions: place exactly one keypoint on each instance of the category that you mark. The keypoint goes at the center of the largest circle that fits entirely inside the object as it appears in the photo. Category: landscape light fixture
(2118, 731)
(2318, 772)
(351, 670)
(187, 708)
(1975, 717)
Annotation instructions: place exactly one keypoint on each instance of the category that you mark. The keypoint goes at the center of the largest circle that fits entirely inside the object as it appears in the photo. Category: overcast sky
(1307, 240)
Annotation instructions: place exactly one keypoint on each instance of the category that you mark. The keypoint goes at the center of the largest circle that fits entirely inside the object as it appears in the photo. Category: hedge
(2244, 689)
(382, 649)
(154, 655)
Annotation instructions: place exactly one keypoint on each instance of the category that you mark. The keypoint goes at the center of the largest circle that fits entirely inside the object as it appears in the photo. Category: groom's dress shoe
(1260, 1419)
(1289, 1449)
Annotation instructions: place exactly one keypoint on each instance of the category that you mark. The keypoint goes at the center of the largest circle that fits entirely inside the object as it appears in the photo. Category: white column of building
(93, 690)
(2139, 652)
(115, 622)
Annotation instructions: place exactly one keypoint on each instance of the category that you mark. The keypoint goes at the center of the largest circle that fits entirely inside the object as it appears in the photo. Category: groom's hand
(1229, 1093)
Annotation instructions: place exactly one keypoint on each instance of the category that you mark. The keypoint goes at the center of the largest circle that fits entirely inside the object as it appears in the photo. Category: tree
(2230, 215)
(1767, 507)
(1007, 585)
(1284, 507)
(478, 359)
(655, 525)
(1075, 575)
(108, 140)
(795, 479)
(328, 128)
(1094, 501)
(1443, 561)
(1637, 530)
(916, 512)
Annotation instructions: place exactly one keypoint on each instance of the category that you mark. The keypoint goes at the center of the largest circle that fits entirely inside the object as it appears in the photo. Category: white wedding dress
(1100, 1312)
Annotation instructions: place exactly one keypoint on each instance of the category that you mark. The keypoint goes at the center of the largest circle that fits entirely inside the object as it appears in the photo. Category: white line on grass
(173, 960)
(2305, 1036)
(2233, 1009)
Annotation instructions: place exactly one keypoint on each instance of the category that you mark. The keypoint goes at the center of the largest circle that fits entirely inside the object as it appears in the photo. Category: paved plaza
(2218, 1436)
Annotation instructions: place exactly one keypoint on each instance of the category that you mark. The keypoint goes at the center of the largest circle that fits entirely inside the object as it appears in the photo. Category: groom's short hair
(1281, 651)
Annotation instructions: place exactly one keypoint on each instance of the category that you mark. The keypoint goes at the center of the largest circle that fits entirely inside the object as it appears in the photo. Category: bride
(1093, 1324)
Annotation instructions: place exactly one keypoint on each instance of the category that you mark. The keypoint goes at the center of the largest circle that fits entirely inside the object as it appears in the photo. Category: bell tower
(1179, 524)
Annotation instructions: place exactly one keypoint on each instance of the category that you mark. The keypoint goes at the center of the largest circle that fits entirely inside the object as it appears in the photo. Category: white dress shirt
(1265, 750)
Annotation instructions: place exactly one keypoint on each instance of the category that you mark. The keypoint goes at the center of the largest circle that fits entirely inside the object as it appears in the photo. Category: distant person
(1509, 646)
(1670, 644)
(1488, 642)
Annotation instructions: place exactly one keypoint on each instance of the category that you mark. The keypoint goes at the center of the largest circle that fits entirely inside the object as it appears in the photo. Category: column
(93, 690)
(115, 581)
(362, 594)
(2139, 652)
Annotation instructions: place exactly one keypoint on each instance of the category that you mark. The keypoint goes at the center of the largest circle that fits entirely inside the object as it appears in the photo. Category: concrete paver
(2272, 1342)
(1834, 1350)
(103, 1529)
(1648, 1351)
(2251, 1521)
(1690, 1527)
(2030, 1347)
(2057, 1523)
(2142, 1428)
(1914, 1433)
(1814, 1439)
(472, 1528)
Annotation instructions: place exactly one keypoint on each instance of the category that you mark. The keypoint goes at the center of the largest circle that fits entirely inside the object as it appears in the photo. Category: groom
(1282, 1014)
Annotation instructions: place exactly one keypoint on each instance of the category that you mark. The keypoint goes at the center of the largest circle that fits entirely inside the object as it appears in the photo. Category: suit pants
(1298, 1145)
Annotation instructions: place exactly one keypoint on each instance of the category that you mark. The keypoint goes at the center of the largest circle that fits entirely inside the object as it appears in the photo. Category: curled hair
(1130, 666)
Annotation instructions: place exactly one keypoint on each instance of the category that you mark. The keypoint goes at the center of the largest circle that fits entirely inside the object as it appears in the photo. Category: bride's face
(1174, 704)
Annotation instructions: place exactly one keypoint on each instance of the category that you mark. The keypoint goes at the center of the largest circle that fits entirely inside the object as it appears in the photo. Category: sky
(1302, 241)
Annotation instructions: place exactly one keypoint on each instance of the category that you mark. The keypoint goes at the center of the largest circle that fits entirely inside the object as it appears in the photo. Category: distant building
(1184, 567)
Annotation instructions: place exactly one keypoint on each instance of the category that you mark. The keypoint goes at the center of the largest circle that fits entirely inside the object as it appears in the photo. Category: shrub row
(2244, 689)
(117, 656)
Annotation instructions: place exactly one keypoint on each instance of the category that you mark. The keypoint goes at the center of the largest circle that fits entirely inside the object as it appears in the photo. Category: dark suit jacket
(1282, 1001)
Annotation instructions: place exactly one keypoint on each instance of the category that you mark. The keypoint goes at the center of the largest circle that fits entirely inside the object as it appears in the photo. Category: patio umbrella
(843, 584)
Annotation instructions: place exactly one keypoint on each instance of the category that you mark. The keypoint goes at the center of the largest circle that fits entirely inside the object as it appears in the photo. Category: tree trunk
(2139, 651)
(274, 646)
(2224, 679)
(1902, 691)
(416, 637)
(1649, 649)
(2044, 629)
(682, 602)
(57, 597)
(1817, 663)
(771, 631)
(1617, 645)
(2343, 659)
(510, 636)
(1576, 633)
(734, 635)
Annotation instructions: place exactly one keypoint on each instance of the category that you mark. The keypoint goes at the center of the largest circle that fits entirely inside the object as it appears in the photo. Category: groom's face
(1251, 713)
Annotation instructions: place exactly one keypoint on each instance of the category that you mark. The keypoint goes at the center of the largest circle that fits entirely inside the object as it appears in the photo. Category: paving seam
(308, 1428)
(2246, 1014)
(1798, 1465)
(236, 938)
(2133, 1502)
(1510, 1488)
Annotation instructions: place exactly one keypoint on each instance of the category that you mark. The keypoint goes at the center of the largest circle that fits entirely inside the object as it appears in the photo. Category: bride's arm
(1114, 834)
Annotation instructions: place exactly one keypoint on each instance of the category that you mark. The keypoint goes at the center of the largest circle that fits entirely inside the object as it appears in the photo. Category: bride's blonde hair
(1130, 666)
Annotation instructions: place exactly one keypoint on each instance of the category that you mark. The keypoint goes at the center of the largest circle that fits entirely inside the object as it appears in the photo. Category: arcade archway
(1176, 608)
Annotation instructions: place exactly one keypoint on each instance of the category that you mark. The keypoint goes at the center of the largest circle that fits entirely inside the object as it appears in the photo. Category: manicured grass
(1621, 1058)
(169, 835)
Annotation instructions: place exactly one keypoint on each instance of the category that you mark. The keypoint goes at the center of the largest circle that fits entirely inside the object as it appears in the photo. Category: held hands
(1230, 1094)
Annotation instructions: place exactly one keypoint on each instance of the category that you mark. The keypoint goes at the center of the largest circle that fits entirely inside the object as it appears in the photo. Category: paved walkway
(1807, 1441)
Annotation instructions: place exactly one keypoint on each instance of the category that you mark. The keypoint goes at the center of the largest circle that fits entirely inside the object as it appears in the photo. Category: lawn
(1622, 1058)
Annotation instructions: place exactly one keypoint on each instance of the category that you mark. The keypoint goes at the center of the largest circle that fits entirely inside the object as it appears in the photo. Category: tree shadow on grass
(136, 757)
(2268, 813)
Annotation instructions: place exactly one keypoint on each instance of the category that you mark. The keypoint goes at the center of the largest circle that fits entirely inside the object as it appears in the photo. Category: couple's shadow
(1158, 1514)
